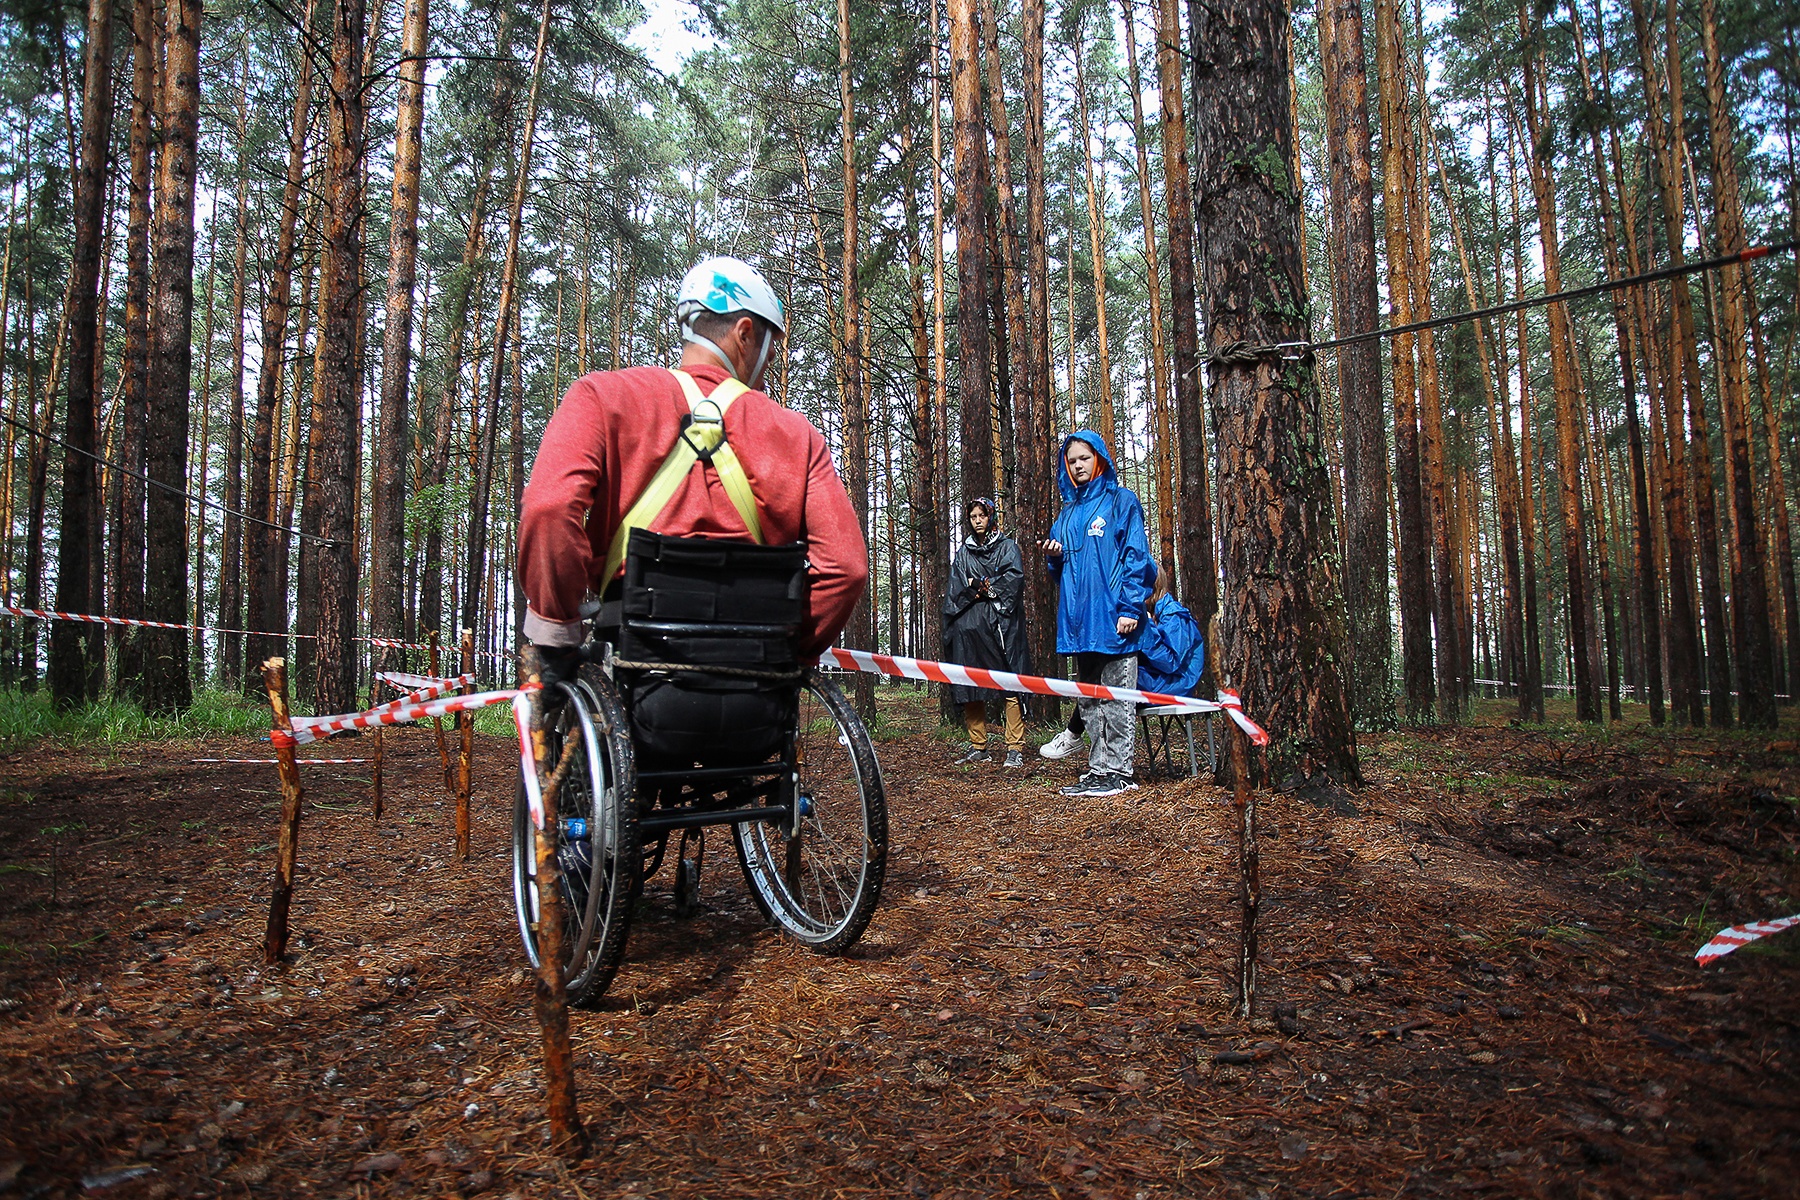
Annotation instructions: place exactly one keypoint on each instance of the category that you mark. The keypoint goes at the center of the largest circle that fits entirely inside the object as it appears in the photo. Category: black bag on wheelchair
(692, 603)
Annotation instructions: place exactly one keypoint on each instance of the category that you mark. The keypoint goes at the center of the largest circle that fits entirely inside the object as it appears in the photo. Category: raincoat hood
(993, 530)
(1064, 484)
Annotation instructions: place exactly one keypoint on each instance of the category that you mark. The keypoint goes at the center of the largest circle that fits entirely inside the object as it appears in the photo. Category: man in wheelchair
(705, 530)
(768, 479)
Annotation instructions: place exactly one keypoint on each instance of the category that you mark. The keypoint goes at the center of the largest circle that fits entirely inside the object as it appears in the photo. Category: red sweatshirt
(606, 440)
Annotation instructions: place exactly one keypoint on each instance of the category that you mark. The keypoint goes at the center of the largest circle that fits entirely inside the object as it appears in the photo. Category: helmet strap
(762, 359)
(688, 335)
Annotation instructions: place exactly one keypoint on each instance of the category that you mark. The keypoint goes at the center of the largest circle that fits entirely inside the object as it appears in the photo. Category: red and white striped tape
(534, 794)
(1005, 681)
(45, 614)
(405, 679)
(431, 691)
(392, 644)
(311, 729)
(50, 614)
(1727, 940)
(269, 762)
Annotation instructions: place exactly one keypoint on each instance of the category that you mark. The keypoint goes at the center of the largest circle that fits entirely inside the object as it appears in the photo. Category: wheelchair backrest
(699, 603)
(703, 601)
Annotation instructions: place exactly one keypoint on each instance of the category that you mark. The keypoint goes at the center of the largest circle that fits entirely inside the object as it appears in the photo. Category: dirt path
(1476, 978)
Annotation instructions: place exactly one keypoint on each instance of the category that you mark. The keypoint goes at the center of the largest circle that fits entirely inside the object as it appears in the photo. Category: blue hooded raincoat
(1105, 571)
(1171, 650)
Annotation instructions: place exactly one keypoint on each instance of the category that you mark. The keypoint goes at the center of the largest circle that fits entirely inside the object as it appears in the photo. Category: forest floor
(1477, 977)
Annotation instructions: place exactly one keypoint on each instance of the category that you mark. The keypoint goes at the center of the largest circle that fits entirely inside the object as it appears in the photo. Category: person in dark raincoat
(984, 626)
(1099, 557)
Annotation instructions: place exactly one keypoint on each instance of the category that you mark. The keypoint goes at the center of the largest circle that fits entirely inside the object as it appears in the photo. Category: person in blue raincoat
(1171, 659)
(1099, 557)
(1171, 649)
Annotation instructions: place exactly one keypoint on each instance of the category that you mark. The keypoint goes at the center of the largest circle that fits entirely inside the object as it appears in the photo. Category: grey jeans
(1111, 724)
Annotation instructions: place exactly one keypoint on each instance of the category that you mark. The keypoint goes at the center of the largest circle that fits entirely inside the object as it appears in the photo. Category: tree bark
(1414, 563)
(1096, 248)
(338, 386)
(1037, 454)
(231, 560)
(1649, 613)
(1159, 364)
(167, 687)
(134, 369)
(1282, 640)
(1451, 629)
(76, 655)
(1362, 406)
(1749, 582)
(387, 540)
(856, 398)
(1566, 386)
(976, 365)
(1690, 465)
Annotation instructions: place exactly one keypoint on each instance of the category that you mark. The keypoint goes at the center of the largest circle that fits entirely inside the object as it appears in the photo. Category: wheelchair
(689, 711)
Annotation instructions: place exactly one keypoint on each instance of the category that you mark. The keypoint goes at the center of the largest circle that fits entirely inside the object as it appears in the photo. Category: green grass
(29, 718)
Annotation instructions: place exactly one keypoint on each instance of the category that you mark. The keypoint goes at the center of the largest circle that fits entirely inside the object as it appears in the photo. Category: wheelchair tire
(601, 870)
(821, 886)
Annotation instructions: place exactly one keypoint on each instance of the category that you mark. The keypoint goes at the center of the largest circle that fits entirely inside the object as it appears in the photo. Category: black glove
(558, 664)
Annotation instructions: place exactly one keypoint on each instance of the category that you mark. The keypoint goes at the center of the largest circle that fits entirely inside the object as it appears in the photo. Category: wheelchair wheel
(821, 884)
(598, 850)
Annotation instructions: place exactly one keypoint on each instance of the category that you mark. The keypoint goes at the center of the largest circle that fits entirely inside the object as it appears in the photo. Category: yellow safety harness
(701, 440)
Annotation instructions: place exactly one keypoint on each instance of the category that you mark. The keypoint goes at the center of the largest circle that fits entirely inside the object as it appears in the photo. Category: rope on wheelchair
(734, 672)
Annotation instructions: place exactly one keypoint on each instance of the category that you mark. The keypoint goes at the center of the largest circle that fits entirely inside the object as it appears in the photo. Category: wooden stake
(1249, 857)
(465, 723)
(281, 736)
(376, 658)
(437, 723)
(550, 998)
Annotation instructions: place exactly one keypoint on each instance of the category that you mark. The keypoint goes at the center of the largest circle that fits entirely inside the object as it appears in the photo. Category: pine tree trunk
(1783, 538)
(1566, 386)
(1362, 406)
(925, 511)
(1096, 248)
(167, 686)
(231, 560)
(76, 655)
(1159, 364)
(1414, 564)
(387, 541)
(128, 519)
(267, 548)
(1500, 441)
(976, 364)
(856, 397)
(1282, 640)
(338, 386)
(1594, 463)
(1690, 464)
(1037, 472)
(199, 469)
(1531, 696)
(1446, 617)
(462, 289)
(1648, 635)
(475, 563)
(1749, 582)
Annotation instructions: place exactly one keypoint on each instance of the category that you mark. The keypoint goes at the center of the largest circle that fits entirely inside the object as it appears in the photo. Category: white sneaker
(1061, 746)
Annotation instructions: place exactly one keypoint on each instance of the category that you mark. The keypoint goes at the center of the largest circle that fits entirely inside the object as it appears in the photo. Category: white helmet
(726, 285)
